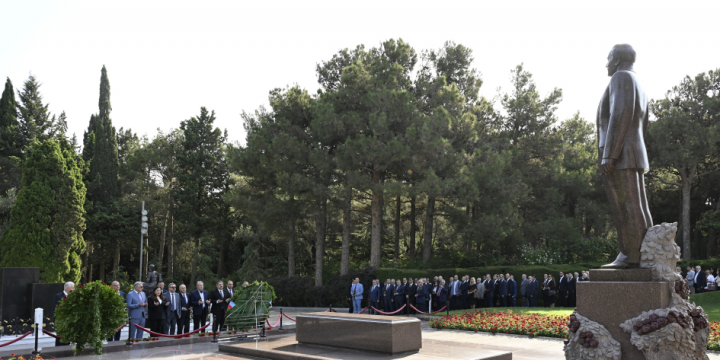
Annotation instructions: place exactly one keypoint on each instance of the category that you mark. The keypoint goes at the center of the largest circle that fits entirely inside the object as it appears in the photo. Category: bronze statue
(622, 122)
(153, 278)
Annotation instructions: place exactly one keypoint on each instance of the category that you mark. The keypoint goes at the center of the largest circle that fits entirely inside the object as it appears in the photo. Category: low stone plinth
(363, 332)
(621, 275)
(613, 302)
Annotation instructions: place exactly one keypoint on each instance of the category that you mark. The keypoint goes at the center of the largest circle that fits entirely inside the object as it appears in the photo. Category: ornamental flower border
(533, 325)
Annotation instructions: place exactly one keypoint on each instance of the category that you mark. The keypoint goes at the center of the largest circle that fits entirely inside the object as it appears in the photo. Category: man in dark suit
(410, 292)
(428, 290)
(219, 300)
(464, 287)
(512, 290)
(700, 281)
(503, 291)
(441, 292)
(572, 282)
(523, 291)
(421, 296)
(173, 310)
(116, 286)
(546, 303)
(230, 288)
(374, 297)
(562, 290)
(622, 123)
(399, 296)
(533, 291)
(388, 292)
(489, 291)
(200, 300)
(59, 297)
(185, 309)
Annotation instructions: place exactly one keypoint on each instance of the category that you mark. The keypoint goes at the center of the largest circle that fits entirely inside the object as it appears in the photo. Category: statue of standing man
(622, 122)
(153, 278)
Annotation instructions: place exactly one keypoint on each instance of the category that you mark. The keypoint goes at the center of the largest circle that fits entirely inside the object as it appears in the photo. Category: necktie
(221, 293)
(172, 301)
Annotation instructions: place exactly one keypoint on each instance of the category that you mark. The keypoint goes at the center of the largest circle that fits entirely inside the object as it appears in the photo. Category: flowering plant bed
(505, 322)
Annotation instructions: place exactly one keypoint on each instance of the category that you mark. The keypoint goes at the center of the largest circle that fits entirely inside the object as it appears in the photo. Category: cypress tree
(9, 132)
(35, 120)
(100, 153)
(47, 222)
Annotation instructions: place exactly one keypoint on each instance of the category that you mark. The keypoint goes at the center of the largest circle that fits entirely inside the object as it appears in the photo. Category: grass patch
(710, 302)
(518, 310)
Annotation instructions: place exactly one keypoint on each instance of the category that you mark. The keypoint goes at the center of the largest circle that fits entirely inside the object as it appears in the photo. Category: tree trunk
(345, 250)
(413, 228)
(116, 263)
(427, 242)
(221, 261)
(196, 250)
(320, 240)
(102, 265)
(171, 256)
(291, 248)
(376, 232)
(161, 249)
(397, 227)
(686, 186)
(473, 222)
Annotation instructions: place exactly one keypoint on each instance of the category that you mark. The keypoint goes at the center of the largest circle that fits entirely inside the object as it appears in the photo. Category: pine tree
(202, 179)
(35, 121)
(47, 221)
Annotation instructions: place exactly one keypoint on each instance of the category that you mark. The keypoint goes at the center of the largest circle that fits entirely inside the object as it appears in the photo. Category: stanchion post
(262, 335)
(281, 316)
(129, 340)
(447, 310)
(330, 308)
(37, 336)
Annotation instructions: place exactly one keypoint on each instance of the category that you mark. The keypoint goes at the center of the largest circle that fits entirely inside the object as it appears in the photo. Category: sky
(166, 59)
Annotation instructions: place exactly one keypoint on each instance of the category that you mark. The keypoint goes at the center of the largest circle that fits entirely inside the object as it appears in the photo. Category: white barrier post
(38, 328)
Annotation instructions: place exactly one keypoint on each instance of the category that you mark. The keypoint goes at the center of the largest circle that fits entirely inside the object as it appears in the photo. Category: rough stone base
(612, 303)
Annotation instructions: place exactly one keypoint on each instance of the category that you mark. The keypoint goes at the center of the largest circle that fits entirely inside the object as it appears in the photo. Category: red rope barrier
(334, 310)
(389, 313)
(363, 310)
(286, 315)
(16, 340)
(432, 313)
(171, 336)
(51, 334)
(276, 323)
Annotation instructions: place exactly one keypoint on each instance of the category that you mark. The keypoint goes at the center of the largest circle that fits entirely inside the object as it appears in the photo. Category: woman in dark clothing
(156, 310)
(552, 293)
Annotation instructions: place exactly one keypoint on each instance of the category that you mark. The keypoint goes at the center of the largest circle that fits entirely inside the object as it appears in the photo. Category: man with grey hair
(137, 307)
(68, 288)
(200, 300)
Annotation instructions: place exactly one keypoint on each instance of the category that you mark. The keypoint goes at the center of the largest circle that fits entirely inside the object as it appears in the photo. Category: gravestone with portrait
(636, 307)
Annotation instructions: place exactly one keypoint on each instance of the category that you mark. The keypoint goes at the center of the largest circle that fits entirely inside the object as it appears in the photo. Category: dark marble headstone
(42, 297)
(16, 292)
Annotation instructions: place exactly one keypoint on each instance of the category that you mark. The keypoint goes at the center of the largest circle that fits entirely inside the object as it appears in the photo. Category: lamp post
(143, 231)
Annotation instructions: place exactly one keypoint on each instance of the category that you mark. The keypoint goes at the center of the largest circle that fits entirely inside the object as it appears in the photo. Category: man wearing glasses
(173, 310)
(137, 308)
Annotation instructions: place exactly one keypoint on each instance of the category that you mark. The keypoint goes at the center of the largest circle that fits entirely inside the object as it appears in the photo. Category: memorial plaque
(42, 297)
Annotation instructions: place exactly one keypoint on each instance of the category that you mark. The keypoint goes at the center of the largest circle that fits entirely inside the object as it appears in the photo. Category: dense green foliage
(89, 315)
(252, 306)
(395, 162)
(47, 222)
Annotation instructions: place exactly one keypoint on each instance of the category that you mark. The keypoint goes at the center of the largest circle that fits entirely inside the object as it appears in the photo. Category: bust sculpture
(622, 122)
(153, 278)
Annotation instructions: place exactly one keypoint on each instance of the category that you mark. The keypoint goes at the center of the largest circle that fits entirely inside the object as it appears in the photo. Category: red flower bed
(714, 337)
(505, 322)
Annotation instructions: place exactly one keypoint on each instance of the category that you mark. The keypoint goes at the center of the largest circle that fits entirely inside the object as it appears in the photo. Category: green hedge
(704, 264)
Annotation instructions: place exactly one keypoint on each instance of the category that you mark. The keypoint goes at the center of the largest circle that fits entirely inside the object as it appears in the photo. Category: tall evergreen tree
(47, 221)
(202, 179)
(35, 121)
(9, 130)
(101, 154)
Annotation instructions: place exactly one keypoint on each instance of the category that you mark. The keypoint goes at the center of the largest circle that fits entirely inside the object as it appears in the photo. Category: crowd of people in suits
(169, 311)
(464, 293)
(700, 281)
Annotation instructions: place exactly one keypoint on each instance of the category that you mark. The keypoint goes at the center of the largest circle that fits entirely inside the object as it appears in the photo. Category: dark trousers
(440, 304)
(533, 300)
(184, 323)
(170, 323)
(388, 305)
(422, 307)
(489, 296)
(562, 299)
(411, 301)
(455, 303)
(399, 302)
(218, 321)
(572, 299)
(115, 337)
(699, 290)
(625, 189)
(199, 321)
(374, 304)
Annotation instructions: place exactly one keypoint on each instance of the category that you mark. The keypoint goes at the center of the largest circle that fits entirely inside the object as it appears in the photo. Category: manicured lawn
(519, 310)
(710, 302)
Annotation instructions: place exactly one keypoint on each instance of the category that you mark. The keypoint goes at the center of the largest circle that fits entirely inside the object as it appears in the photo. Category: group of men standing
(393, 295)
(179, 306)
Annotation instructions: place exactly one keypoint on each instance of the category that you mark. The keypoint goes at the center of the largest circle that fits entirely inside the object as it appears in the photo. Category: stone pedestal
(610, 303)
(388, 334)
